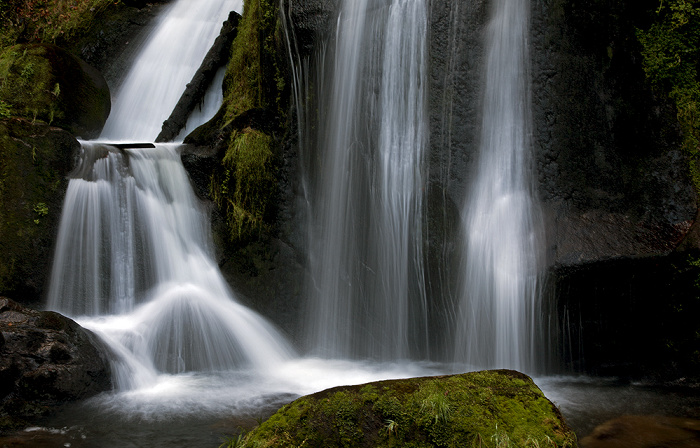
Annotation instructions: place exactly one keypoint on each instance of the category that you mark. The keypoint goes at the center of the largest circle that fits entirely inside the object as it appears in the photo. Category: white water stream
(133, 255)
(496, 321)
(134, 263)
(366, 289)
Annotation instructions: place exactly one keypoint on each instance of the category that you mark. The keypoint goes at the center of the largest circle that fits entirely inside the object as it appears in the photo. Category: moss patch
(251, 125)
(255, 76)
(53, 21)
(45, 83)
(481, 409)
(245, 184)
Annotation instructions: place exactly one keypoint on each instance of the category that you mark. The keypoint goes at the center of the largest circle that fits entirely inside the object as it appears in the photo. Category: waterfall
(366, 287)
(497, 312)
(133, 259)
(163, 67)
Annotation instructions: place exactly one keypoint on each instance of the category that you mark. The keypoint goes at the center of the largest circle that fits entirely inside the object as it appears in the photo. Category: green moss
(671, 50)
(255, 76)
(256, 99)
(245, 184)
(42, 82)
(49, 21)
(484, 409)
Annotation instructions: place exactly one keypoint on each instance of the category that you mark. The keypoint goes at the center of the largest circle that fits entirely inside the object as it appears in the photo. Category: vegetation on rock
(44, 82)
(52, 21)
(34, 159)
(256, 99)
(671, 50)
(481, 409)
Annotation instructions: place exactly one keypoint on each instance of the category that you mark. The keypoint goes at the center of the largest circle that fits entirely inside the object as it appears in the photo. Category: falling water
(367, 296)
(497, 312)
(134, 253)
(164, 66)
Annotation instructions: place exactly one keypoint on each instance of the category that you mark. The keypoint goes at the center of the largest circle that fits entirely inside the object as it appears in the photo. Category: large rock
(34, 162)
(44, 82)
(490, 408)
(45, 360)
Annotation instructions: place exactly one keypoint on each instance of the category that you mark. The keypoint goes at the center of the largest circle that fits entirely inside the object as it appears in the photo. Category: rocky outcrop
(500, 408)
(44, 82)
(45, 360)
(35, 159)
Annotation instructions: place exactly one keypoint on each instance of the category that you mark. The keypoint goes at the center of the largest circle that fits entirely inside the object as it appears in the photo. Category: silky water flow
(133, 255)
(499, 305)
(134, 263)
(366, 295)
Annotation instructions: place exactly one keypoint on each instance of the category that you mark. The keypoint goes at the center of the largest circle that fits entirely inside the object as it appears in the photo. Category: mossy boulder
(34, 161)
(44, 82)
(481, 409)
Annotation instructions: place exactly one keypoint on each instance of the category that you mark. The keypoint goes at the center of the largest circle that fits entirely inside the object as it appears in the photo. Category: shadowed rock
(45, 360)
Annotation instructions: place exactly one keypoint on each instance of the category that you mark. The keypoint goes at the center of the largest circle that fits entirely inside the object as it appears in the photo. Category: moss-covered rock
(44, 82)
(34, 161)
(249, 128)
(481, 409)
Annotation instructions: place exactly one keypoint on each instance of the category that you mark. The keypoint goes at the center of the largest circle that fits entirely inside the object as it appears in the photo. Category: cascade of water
(164, 66)
(498, 309)
(366, 291)
(133, 253)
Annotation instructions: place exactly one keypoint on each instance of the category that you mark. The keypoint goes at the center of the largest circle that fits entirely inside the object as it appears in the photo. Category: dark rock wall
(34, 161)
(612, 180)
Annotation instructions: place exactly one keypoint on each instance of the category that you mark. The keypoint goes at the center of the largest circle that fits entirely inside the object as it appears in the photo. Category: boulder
(645, 431)
(501, 408)
(45, 360)
(44, 82)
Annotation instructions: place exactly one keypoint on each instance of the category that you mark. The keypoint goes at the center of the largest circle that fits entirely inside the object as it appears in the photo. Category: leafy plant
(41, 209)
(438, 406)
(5, 110)
(232, 441)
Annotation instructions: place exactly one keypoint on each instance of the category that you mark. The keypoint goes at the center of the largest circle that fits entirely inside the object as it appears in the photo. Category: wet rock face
(36, 159)
(645, 431)
(309, 21)
(45, 360)
(612, 180)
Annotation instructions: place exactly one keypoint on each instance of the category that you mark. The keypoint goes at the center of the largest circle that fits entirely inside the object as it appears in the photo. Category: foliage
(671, 51)
(495, 409)
(47, 20)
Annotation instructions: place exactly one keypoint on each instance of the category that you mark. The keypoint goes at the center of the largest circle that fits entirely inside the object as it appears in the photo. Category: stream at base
(200, 410)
